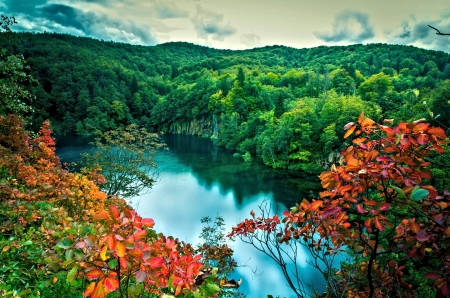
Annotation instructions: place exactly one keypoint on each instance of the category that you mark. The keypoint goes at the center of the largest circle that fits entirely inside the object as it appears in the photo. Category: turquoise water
(198, 179)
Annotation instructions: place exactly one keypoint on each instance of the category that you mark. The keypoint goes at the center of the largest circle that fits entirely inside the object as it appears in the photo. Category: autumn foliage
(380, 207)
(59, 230)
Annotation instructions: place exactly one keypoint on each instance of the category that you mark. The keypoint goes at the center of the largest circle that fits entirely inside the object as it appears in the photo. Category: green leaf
(112, 263)
(71, 274)
(29, 242)
(399, 191)
(65, 244)
(418, 194)
(69, 254)
(209, 289)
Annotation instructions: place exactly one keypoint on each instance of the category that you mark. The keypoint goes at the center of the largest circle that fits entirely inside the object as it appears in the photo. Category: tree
(378, 209)
(126, 159)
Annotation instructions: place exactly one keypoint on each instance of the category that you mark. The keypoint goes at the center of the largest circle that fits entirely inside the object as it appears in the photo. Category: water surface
(198, 179)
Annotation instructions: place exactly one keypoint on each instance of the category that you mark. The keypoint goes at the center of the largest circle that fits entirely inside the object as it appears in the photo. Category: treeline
(286, 106)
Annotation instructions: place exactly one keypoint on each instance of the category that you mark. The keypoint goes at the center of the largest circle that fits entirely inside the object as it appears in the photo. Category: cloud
(168, 10)
(416, 32)
(39, 16)
(251, 40)
(349, 26)
(209, 23)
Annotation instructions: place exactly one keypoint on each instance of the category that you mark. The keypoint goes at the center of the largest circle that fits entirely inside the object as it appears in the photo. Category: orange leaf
(368, 223)
(361, 117)
(89, 290)
(148, 222)
(111, 284)
(94, 274)
(414, 227)
(103, 215)
(359, 140)
(123, 263)
(438, 132)
(111, 242)
(114, 211)
(139, 234)
(315, 205)
(350, 131)
(367, 122)
(378, 224)
(420, 127)
(120, 249)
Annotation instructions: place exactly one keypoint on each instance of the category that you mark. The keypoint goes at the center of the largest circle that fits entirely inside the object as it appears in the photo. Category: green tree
(126, 159)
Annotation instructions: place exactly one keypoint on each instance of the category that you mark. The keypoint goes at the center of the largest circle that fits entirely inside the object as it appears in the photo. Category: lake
(198, 179)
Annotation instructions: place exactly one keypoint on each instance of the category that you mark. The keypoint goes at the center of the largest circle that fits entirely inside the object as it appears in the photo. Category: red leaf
(156, 262)
(422, 139)
(438, 132)
(120, 249)
(111, 284)
(80, 244)
(123, 263)
(114, 211)
(94, 274)
(438, 148)
(360, 209)
(432, 275)
(378, 224)
(148, 222)
(422, 236)
(385, 206)
(445, 289)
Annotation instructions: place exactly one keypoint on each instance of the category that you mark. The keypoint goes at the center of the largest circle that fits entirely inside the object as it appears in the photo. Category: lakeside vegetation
(282, 105)
(386, 200)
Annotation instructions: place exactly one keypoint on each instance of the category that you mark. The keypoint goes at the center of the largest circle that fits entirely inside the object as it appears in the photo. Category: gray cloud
(38, 16)
(417, 32)
(251, 40)
(209, 23)
(168, 10)
(349, 26)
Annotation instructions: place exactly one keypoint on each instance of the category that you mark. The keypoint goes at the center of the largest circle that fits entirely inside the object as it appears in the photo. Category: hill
(284, 105)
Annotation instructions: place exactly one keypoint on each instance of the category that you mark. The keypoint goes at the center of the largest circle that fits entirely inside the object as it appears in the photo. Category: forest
(372, 119)
(282, 105)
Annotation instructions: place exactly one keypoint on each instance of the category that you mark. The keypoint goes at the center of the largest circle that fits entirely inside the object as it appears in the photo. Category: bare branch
(438, 32)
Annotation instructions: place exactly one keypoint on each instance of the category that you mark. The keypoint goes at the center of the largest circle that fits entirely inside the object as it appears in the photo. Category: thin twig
(438, 32)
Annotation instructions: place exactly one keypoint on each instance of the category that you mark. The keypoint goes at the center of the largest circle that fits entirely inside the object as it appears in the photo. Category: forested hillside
(286, 106)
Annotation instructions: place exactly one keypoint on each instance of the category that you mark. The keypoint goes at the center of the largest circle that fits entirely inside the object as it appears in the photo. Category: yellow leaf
(103, 253)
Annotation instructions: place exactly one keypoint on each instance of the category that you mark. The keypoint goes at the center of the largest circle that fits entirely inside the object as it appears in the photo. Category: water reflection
(199, 179)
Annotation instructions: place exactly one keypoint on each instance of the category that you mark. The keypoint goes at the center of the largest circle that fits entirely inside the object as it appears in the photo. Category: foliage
(60, 234)
(240, 98)
(14, 97)
(378, 207)
(125, 158)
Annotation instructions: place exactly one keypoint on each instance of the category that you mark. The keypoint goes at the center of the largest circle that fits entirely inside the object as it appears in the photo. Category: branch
(438, 32)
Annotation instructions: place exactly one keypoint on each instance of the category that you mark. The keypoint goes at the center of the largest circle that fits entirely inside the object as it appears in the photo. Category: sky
(240, 24)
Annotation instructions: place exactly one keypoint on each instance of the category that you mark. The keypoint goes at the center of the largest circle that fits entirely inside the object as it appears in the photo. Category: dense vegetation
(283, 105)
(385, 204)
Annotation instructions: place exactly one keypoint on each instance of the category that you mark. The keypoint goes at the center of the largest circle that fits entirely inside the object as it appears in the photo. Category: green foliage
(125, 158)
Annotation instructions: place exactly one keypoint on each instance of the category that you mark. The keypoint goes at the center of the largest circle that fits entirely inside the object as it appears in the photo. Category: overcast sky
(240, 24)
